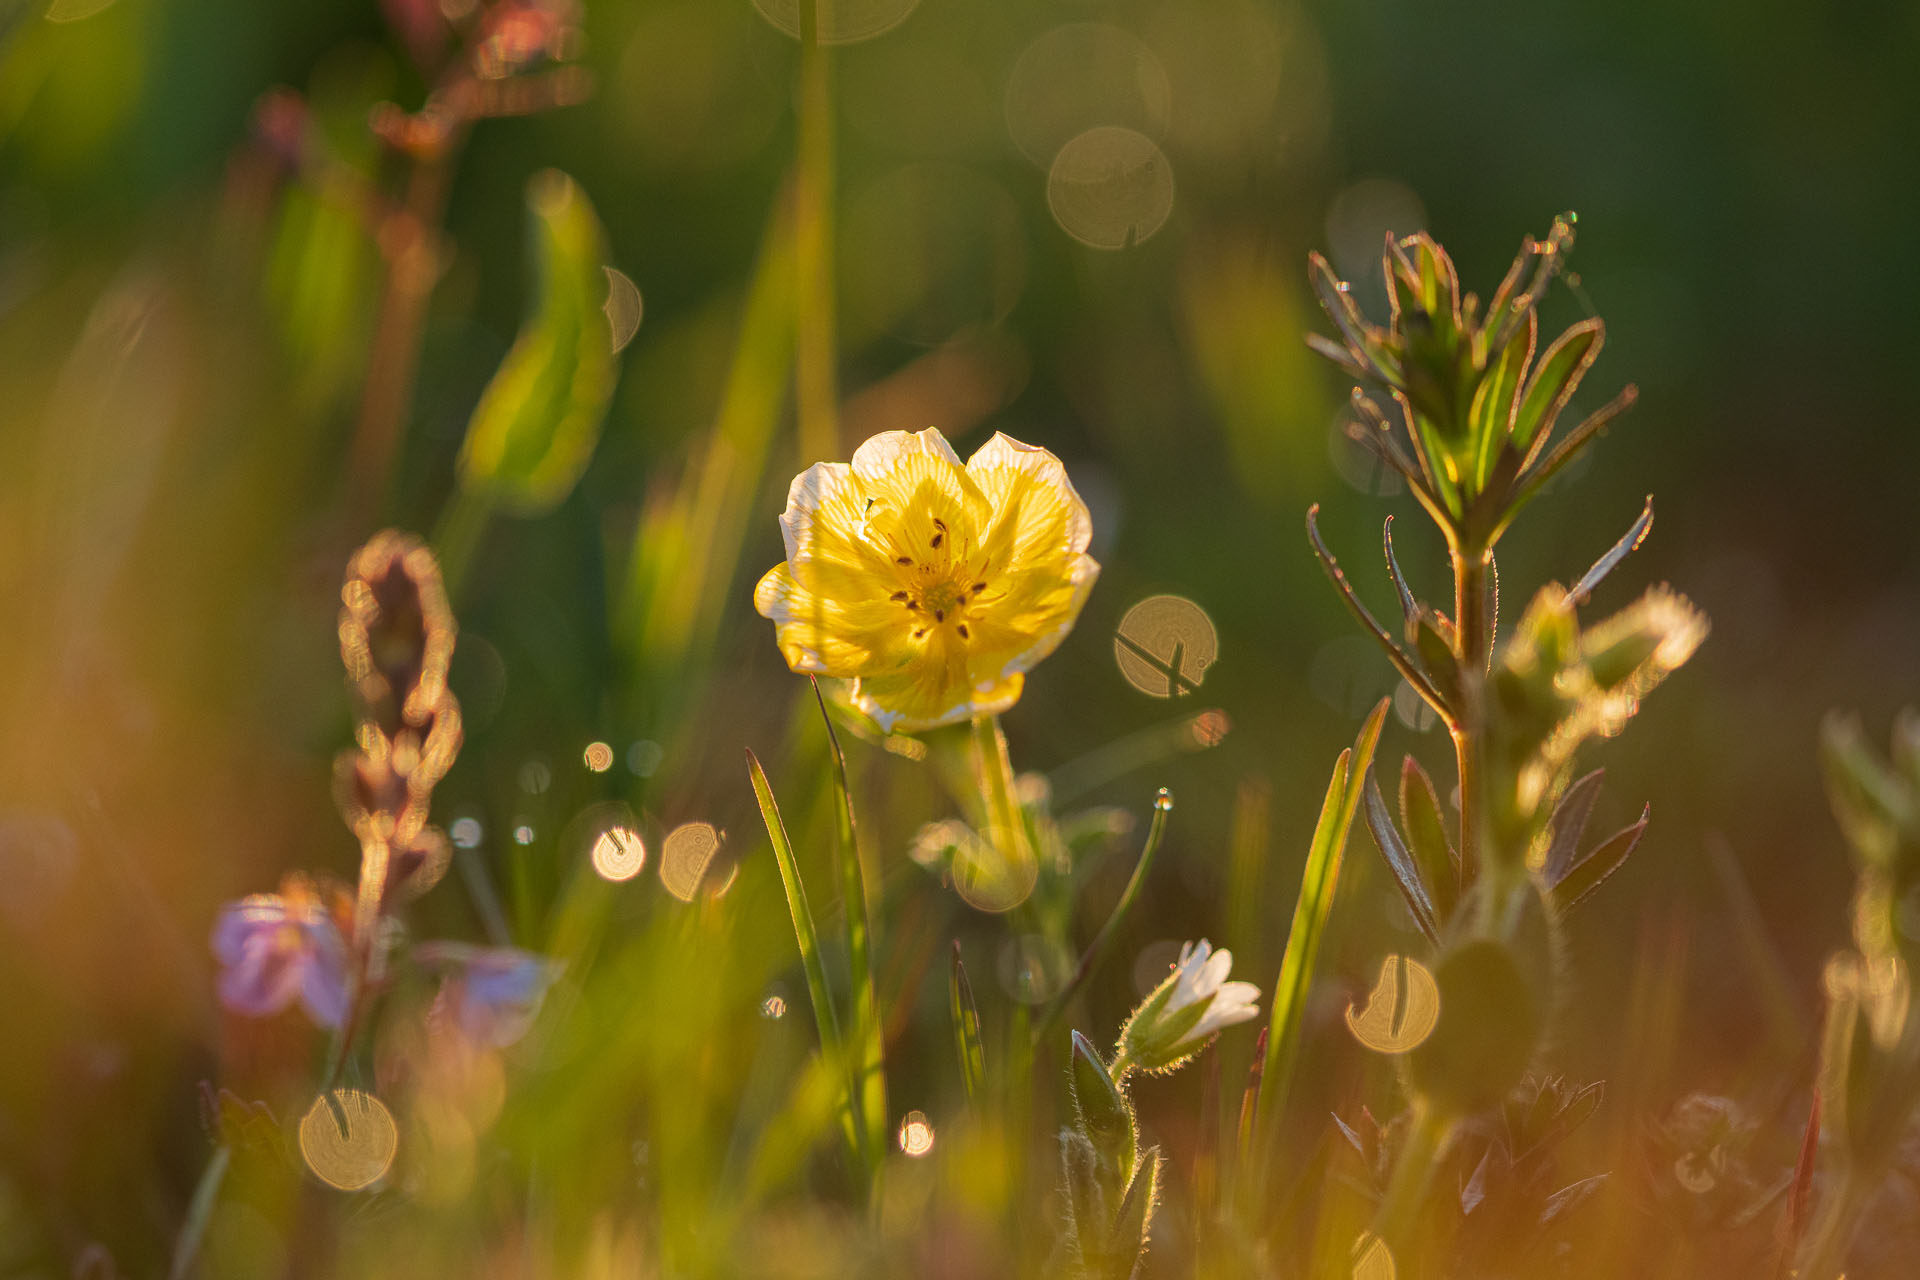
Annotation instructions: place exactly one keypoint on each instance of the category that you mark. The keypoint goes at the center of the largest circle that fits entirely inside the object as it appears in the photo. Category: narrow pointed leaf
(870, 1063)
(1569, 825)
(1601, 862)
(1135, 1220)
(1628, 544)
(1569, 1198)
(966, 1028)
(811, 961)
(1408, 606)
(1302, 957)
(1405, 665)
(1497, 399)
(1533, 478)
(1097, 949)
(1426, 833)
(1104, 1116)
(539, 418)
(1561, 367)
(1406, 872)
(1338, 354)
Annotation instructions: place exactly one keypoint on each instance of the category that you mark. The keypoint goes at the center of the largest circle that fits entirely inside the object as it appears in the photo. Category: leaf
(966, 1028)
(1592, 871)
(1105, 1119)
(1317, 883)
(1426, 833)
(1557, 378)
(1629, 543)
(539, 418)
(1405, 665)
(1570, 1197)
(871, 1064)
(1406, 873)
(1496, 400)
(818, 993)
(1133, 1223)
(1569, 823)
(1409, 607)
(1337, 301)
(1474, 1191)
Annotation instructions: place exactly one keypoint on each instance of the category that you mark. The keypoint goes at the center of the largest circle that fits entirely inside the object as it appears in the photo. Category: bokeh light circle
(1110, 187)
(348, 1139)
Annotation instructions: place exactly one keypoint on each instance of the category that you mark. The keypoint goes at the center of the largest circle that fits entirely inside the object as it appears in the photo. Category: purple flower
(491, 994)
(275, 948)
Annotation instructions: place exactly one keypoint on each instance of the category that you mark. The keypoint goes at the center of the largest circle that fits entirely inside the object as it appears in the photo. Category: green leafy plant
(1477, 406)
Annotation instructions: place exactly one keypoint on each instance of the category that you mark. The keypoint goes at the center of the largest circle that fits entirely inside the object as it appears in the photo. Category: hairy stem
(1475, 642)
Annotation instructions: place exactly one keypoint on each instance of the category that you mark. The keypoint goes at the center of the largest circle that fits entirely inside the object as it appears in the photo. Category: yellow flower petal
(827, 637)
(932, 585)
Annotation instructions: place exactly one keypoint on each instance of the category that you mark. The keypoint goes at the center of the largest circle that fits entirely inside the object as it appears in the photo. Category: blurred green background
(184, 329)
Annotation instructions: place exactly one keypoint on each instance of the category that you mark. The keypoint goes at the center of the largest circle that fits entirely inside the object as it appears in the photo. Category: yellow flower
(931, 585)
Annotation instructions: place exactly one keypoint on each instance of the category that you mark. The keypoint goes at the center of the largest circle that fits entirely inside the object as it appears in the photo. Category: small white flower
(1193, 1003)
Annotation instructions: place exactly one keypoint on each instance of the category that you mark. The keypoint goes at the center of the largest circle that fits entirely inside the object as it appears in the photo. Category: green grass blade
(831, 1046)
(1310, 911)
(869, 1064)
(966, 1028)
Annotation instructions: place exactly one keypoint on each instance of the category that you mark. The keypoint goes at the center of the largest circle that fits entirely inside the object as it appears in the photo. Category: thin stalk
(993, 774)
(206, 1194)
(409, 239)
(815, 352)
(1103, 941)
(1413, 1172)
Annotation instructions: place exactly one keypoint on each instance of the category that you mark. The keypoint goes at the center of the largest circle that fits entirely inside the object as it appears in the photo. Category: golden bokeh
(598, 757)
(1164, 646)
(618, 854)
(1401, 1012)
(1079, 76)
(1110, 187)
(684, 857)
(1372, 1260)
(348, 1139)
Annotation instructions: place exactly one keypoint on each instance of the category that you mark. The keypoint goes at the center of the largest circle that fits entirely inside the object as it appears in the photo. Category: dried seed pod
(396, 633)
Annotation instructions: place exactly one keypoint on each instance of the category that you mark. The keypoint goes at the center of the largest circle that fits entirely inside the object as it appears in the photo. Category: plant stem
(1475, 644)
(1412, 1172)
(206, 1194)
(409, 243)
(815, 357)
(1097, 949)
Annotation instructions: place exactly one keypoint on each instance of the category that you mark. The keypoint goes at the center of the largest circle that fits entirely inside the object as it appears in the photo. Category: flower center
(940, 583)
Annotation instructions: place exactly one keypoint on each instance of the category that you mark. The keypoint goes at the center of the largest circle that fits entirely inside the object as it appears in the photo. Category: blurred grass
(182, 339)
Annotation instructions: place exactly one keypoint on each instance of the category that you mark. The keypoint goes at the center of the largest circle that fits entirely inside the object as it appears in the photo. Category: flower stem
(815, 358)
(993, 773)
